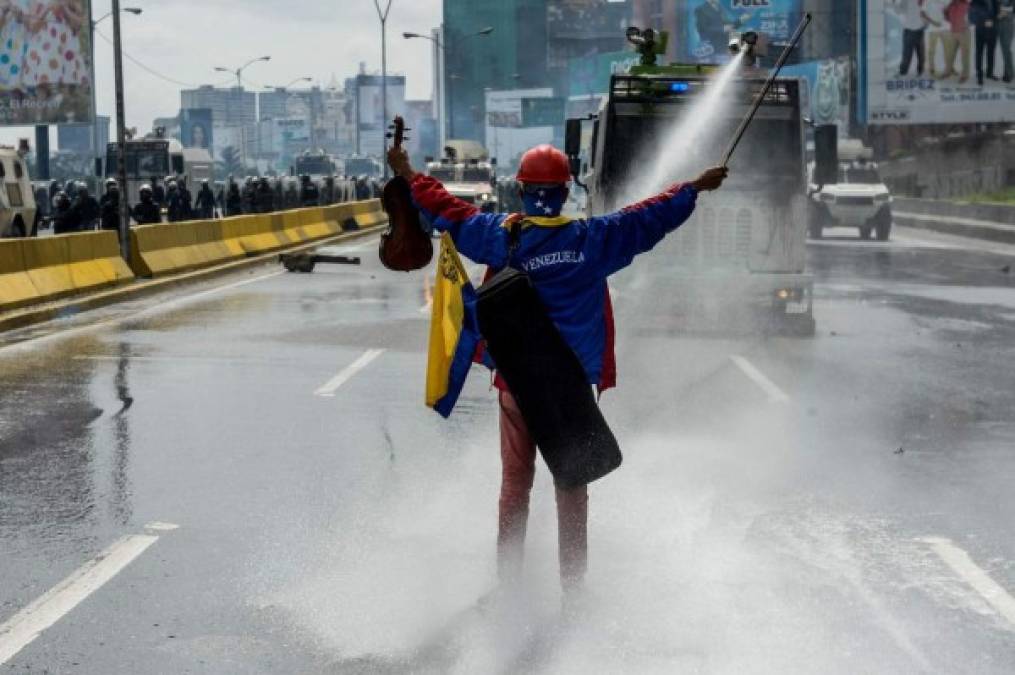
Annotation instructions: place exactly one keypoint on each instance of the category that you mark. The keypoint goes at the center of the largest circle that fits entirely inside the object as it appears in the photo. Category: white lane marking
(995, 595)
(775, 394)
(159, 526)
(332, 385)
(19, 631)
(475, 273)
(428, 289)
(157, 309)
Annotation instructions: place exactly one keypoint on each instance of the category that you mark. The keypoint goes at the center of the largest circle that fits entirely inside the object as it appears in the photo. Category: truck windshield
(860, 175)
(444, 174)
(477, 176)
(141, 163)
(314, 166)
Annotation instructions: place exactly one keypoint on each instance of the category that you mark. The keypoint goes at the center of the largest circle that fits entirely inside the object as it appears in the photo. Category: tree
(230, 164)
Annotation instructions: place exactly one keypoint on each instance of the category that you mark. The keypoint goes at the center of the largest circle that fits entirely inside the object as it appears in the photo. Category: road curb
(72, 306)
(975, 229)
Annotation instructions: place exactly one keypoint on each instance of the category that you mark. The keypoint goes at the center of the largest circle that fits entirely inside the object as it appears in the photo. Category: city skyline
(332, 42)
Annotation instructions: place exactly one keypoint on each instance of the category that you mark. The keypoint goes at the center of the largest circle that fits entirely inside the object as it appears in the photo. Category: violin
(406, 246)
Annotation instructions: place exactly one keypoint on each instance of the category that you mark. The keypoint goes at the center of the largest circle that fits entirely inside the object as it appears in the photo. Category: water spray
(760, 98)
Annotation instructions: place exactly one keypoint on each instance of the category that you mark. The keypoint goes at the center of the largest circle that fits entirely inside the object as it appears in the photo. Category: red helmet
(544, 165)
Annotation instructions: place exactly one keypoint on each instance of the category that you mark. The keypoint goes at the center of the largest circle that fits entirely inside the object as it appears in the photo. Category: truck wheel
(883, 226)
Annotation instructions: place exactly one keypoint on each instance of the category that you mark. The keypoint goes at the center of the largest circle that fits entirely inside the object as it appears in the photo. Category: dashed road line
(775, 394)
(28, 624)
(328, 389)
(960, 562)
(427, 294)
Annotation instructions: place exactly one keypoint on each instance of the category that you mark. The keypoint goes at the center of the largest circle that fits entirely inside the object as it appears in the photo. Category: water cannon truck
(740, 262)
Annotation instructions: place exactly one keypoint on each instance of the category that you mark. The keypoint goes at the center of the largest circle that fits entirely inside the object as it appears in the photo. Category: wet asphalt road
(786, 505)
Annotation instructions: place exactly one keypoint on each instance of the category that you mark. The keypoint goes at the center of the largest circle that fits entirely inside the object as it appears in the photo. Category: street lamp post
(239, 86)
(239, 71)
(450, 108)
(121, 135)
(383, 16)
(97, 152)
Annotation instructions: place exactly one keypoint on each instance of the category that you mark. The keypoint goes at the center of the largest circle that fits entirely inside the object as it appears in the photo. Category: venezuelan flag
(454, 331)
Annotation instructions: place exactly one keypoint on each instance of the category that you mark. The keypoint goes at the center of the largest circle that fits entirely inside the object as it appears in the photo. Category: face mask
(544, 202)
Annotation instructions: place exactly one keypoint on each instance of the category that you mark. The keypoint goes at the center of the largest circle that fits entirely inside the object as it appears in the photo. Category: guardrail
(35, 270)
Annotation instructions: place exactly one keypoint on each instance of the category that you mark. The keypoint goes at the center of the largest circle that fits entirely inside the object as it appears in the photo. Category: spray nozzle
(750, 43)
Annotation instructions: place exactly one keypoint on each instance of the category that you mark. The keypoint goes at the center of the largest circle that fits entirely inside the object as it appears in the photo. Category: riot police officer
(174, 203)
(109, 206)
(64, 220)
(234, 200)
(186, 197)
(86, 208)
(147, 212)
(205, 201)
(265, 197)
(310, 194)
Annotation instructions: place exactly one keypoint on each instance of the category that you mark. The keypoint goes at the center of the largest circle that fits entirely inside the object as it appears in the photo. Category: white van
(17, 198)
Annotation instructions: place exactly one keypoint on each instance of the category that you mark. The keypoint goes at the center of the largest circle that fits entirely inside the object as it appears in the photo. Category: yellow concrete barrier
(37, 270)
(16, 289)
(175, 247)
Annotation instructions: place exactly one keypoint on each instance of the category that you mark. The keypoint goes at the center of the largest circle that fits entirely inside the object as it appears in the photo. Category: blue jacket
(568, 260)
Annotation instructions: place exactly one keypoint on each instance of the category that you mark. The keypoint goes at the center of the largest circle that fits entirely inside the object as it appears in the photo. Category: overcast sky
(187, 39)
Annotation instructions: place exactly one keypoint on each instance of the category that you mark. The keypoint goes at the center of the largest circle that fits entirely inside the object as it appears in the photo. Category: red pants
(518, 460)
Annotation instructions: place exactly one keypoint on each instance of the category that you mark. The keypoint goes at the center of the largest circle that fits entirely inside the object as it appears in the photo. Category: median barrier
(175, 247)
(16, 289)
(37, 270)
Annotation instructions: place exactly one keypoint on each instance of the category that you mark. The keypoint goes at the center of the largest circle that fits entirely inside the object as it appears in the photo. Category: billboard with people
(936, 61)
(196, 128)
(711, 24)
(45, 62)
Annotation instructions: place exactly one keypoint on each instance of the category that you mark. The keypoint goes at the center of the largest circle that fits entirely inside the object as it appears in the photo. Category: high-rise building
(370, 121)
(514, 56)
(233, 107)
(531, 47)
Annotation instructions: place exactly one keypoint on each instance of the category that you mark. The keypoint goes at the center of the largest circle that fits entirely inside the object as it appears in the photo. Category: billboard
(916, 72)
(45, 63)
(711, 23)
(591, 75)
(196, 128)
(828, 90)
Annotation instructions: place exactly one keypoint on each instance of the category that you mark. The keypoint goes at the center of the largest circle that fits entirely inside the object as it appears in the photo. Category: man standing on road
(568, 261)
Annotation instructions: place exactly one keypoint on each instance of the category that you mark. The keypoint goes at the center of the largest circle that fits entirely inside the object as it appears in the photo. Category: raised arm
(614, 240)
(478, 236)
